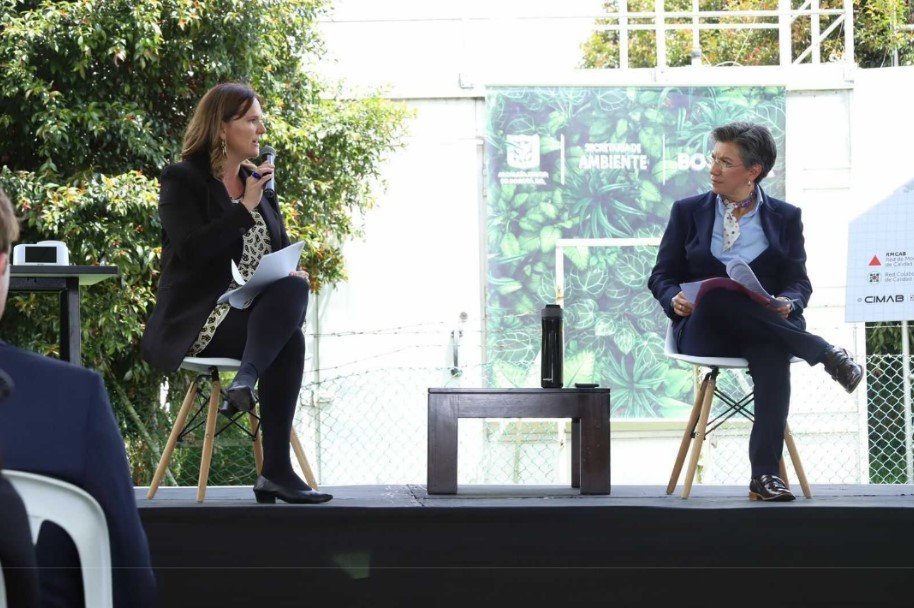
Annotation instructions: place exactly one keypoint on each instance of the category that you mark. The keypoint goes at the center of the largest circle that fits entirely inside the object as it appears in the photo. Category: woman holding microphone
(213, 212)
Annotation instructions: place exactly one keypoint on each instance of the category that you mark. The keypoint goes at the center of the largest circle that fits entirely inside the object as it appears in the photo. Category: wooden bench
(587, 408)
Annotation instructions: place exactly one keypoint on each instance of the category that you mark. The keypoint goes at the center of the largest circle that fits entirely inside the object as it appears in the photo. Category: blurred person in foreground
(58, 422)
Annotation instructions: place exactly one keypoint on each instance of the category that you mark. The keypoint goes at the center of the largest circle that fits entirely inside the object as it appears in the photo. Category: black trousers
(729, 324)
(267, 337)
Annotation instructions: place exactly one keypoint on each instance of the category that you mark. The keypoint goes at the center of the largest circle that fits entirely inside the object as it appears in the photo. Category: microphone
(6, 385)
(269, 155)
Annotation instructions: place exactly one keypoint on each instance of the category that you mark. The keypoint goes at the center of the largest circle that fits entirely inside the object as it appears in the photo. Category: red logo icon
(875, 261)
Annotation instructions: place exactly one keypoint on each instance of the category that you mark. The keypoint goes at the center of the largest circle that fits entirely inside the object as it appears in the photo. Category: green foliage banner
(598, 163)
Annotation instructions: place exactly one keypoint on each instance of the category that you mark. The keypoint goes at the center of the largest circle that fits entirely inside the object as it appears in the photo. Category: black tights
(267, 337)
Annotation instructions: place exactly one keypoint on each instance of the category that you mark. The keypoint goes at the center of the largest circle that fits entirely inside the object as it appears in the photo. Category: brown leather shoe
(769, 488)
(842, 367)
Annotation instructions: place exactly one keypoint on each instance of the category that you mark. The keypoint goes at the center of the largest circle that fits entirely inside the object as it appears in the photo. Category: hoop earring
(222, 143)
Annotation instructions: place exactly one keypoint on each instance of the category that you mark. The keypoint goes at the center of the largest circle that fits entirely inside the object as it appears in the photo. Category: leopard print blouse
(256, 245)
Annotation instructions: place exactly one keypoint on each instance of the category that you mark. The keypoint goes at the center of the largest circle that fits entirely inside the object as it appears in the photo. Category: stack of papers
(272, 267)
(742, 279)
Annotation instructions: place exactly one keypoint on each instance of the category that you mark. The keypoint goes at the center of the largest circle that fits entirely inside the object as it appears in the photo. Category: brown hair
(9, 225)
(223, 102)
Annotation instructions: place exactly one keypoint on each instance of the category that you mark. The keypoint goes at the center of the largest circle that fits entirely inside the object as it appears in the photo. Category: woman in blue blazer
(214, 211)
(737, 220)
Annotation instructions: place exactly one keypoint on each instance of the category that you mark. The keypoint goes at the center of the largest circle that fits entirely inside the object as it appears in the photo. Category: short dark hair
(9, 225)
(755, 143)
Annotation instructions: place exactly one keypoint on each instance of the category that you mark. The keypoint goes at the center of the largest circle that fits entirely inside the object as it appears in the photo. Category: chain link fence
(369, 427)
(889, 420)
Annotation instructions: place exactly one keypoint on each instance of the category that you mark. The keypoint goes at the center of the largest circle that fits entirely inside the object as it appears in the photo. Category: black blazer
(685, 253)
(202, 233)
(58, 422)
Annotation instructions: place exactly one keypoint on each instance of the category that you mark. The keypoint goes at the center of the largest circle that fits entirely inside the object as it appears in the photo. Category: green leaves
(613, 325)
(94, 100)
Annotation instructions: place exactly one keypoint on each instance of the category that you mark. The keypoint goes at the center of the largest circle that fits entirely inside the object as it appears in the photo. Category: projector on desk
(46, 253)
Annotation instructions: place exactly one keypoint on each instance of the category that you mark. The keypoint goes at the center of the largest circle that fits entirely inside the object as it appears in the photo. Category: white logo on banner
(523, 157)
(523, 151)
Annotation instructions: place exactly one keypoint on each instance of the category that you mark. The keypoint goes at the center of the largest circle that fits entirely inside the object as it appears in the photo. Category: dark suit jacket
(202, 232)
(685, 253)
(17, 553)
(58, 422)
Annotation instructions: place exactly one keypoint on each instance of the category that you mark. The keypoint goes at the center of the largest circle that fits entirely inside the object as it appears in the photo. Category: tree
(877, 36)
(94, 97)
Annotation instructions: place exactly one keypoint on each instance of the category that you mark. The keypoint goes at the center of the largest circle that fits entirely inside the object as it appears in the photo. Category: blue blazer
(685, 254)
(58, 422)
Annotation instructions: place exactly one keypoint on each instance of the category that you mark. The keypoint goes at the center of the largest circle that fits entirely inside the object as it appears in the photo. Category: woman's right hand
(253, 186)
(681, 306)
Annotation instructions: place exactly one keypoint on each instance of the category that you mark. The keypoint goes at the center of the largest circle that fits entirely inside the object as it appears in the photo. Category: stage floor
(415, 496)
(395, 545)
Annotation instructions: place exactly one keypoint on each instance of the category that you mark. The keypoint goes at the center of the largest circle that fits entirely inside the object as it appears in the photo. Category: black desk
(587, 408)
(66, 280)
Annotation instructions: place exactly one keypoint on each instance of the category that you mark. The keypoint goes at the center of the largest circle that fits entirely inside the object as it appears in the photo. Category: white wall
(445, 48)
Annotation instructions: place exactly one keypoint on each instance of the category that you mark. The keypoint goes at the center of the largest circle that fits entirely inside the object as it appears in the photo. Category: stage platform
(532, 546)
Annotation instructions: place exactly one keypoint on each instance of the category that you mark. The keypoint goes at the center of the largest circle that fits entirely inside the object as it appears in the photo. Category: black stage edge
(534, 546)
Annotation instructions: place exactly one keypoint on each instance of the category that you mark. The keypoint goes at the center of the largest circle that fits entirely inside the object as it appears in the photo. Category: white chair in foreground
(697, 426)
(208, 369)
(74, 510)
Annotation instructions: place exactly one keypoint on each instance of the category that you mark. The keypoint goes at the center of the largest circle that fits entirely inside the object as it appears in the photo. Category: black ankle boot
(240, 395)
(267, 492)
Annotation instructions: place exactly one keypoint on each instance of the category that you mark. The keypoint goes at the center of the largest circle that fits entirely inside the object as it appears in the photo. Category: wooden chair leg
(176, 429)
(782, 466)
(208, 439)
(258, 445)
(302, 460)
(700, 433)
(795, 459)
(687, 437)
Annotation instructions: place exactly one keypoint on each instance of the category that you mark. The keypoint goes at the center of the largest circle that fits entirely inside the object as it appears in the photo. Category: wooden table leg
(575, 452)
(595, 445)
(442, 444)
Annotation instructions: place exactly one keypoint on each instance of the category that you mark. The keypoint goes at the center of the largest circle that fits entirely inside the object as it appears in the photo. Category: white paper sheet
(272, 267)
(739, 271)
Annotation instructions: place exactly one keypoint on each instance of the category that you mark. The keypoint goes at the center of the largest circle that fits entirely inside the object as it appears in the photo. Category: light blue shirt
(752, 240)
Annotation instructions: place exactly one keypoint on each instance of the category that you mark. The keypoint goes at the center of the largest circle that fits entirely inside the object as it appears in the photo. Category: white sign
(880, 261)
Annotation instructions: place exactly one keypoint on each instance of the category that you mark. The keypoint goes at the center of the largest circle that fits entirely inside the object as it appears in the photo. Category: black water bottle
(552, 346)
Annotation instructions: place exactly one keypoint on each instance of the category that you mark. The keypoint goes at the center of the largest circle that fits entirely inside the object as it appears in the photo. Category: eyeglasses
(723, 164)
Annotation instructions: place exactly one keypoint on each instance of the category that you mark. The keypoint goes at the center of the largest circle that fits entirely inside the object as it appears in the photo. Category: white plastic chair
(208, 369)
(697, 426)
(74, 510)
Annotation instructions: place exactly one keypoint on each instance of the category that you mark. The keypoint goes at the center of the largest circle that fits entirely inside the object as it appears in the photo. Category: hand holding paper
(742, 279)
(272, 267)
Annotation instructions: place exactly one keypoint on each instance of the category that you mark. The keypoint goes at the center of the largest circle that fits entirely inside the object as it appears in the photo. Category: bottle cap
(552, 311)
